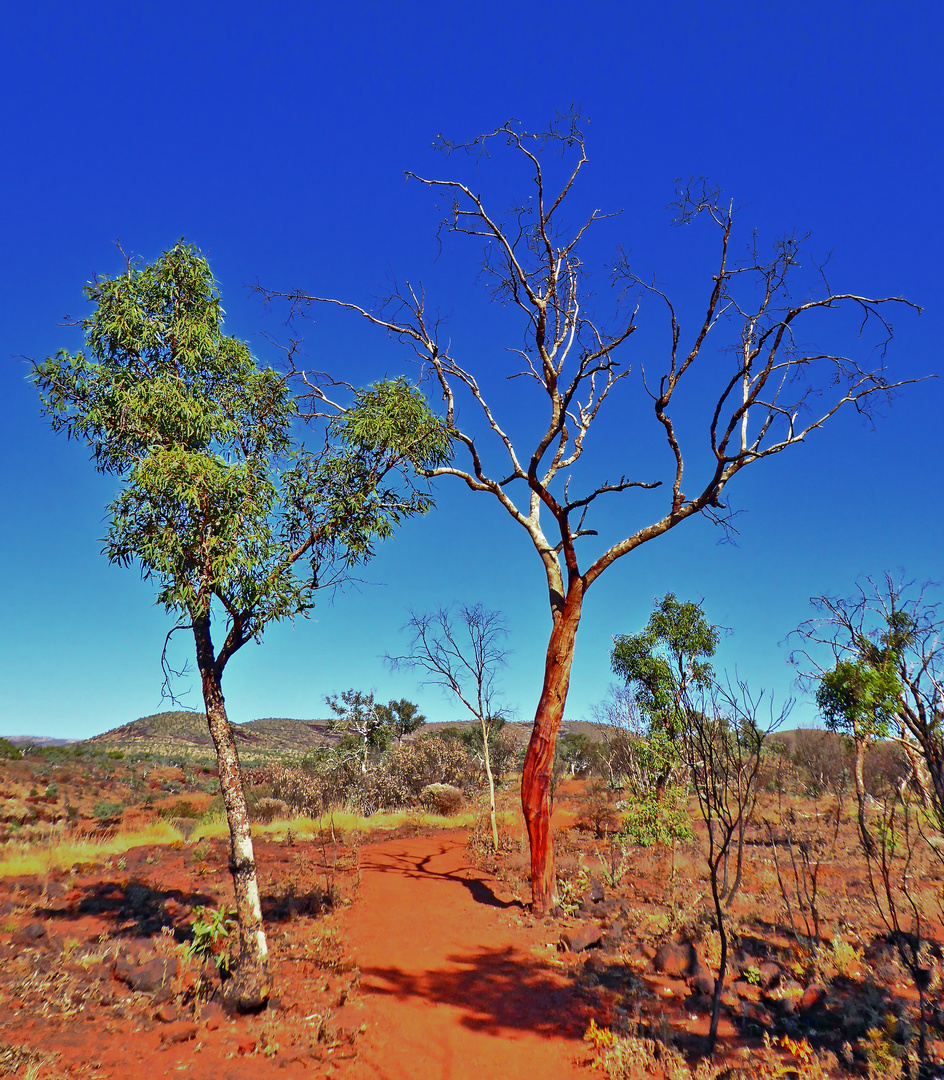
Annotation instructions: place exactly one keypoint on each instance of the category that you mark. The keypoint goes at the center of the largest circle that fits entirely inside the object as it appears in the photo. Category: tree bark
(868, 843)
(539, 759)
(487, 761)
(248, 988)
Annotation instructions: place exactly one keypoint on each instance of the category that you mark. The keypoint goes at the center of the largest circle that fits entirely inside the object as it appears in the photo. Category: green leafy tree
(235, 522)
(401, 718)
(361, 722)
(663, 664)
(884, 655)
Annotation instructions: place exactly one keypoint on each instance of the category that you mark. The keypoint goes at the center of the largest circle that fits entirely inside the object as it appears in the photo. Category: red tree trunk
(539, 760)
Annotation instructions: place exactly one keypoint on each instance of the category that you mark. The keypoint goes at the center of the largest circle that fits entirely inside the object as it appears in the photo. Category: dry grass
(343, 822)
(60, 850)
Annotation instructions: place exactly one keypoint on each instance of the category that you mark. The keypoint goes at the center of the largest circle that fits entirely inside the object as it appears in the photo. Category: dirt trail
(450, 986)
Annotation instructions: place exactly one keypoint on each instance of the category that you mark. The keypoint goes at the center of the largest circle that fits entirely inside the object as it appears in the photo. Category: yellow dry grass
(60, 850)
(344, 822)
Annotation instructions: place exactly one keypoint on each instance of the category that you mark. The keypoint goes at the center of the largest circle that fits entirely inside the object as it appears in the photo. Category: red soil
(452, 984)
(455, 978)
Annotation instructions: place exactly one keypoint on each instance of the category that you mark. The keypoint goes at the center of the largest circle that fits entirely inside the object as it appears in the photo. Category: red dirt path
(451, 986)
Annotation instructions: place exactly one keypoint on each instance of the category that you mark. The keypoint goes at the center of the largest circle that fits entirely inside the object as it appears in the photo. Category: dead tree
(463, 655)
(744, 358)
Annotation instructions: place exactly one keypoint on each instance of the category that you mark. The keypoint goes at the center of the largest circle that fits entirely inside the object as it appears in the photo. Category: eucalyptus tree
(219, 504)
(876, 663)
(739, 387)
(663, 665)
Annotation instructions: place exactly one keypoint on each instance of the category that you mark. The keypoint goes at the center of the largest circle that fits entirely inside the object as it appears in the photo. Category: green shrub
(8, 751)
(442, 799)
(653, 821)
(107, 811)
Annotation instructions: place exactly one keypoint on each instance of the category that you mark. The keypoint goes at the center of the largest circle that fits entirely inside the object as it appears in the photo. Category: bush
(597, 813)
(651, 821)
(304, 791)
(268, 810)
(8, 751)
(182, 808)
(442, 799)
(107, 811)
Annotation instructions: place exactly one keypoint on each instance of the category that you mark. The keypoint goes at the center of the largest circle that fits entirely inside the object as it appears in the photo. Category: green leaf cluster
(667, 659)
(219, 502)
(861, 695)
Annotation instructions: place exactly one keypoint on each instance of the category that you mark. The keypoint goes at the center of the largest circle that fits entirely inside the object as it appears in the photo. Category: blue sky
(275, 138)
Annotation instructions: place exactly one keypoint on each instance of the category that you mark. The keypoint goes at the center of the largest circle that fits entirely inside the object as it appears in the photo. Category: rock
(245, 1045)
(212, 1016)
(675, 959)
(147, 977)
(814, 996)
(30, 934)
(165, 1014)
(581, 937)
(612, 940)
(747, 991)
(770, 975)
(699, 971)
(636, 958)
(608, 909)
(179, 1031)
(752, 1013)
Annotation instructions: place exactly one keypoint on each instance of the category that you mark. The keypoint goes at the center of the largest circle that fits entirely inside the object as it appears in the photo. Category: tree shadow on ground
(498, 990)
(288, 904)
(137, 909)
(419, 867)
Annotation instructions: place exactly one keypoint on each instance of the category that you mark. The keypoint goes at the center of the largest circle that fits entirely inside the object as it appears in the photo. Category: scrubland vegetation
(833, 960)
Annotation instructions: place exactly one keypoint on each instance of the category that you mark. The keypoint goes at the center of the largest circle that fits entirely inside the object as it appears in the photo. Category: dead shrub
(268, 810)
(597, 811)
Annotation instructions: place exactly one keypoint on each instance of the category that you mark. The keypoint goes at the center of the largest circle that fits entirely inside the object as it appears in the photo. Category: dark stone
(581, 937)
(699, 971)
(675, 959)
(770, 975)
(30, 934)
(608, 909)
(814, 996)
(755, 1015)
(612, 940)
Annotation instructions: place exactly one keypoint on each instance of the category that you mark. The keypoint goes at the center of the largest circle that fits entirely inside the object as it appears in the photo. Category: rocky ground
(419, 947)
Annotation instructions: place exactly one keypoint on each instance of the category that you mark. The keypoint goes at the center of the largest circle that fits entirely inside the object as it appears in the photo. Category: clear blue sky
(275, 138)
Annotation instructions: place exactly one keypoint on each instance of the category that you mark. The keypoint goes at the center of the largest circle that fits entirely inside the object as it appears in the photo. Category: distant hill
(37, 740)
(178, 730)
(522, 730)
